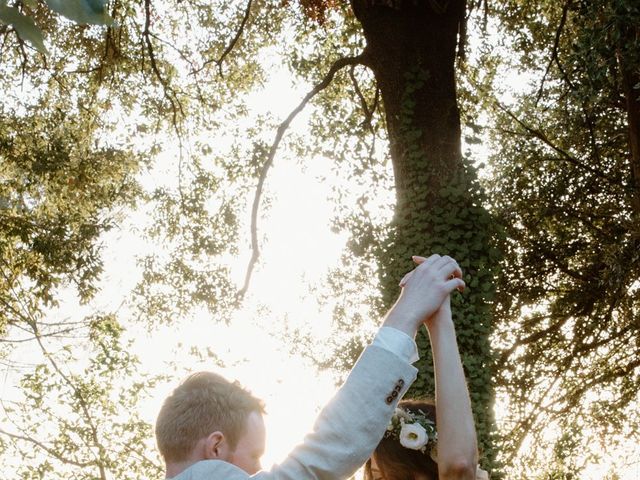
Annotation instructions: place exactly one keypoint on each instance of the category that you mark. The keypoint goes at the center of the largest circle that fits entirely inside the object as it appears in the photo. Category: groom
(210, 428)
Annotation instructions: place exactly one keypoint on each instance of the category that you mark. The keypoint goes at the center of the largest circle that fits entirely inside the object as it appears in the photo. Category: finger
(406, 278)
(455, 284)
(449, 267)
(424, 263)
(442, 261)
(457, 271)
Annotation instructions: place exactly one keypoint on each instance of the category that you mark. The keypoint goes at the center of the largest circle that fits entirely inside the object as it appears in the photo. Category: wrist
(442, 318)
(401, 320)
(440, 324)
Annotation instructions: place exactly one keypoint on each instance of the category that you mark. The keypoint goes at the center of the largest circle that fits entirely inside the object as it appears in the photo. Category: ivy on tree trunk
(411, 48)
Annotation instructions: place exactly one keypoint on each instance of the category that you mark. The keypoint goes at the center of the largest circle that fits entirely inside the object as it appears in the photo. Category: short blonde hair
(204, 403)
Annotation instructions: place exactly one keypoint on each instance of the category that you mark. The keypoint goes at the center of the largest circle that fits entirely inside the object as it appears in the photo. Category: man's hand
(424, 290)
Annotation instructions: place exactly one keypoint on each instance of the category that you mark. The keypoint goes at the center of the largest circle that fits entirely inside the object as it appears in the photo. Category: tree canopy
(403, 97)
(566, 190)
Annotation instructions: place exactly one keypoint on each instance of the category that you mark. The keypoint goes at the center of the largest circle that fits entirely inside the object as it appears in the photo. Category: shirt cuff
(397, 342)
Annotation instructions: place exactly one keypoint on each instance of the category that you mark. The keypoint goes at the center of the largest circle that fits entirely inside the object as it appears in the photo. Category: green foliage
(82, 420)
(60, 191)
(568, 460)
(68, 171)
(79, 11)
(56, 188)
(565, 191)
(76, 130)
(24, 26)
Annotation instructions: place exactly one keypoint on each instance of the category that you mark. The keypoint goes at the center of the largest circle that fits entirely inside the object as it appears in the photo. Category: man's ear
(216, 447)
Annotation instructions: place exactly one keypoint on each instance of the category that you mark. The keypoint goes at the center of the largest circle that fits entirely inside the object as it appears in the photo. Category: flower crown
(414, 430)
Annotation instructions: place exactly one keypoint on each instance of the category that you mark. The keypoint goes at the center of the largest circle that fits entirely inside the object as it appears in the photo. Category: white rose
(413, 436)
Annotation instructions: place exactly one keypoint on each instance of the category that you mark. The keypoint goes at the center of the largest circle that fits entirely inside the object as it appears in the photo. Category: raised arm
(351, 425)
(457, 447)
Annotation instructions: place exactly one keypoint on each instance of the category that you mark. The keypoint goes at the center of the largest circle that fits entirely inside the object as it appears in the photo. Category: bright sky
(293, 390)
(299, 250)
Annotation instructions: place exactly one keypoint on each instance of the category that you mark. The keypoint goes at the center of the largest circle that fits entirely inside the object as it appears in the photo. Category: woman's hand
(424, 290)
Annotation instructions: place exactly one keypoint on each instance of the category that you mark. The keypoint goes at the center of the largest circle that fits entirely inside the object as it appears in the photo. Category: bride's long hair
(399, 463)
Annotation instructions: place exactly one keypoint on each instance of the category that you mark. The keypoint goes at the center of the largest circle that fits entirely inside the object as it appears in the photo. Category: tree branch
(48, 450)
(169, 92)
(200, 94)
(547, 141)
(368, 112)
(554, 50)
(29, 318)
(83, 405)
(145, 459)
(55, 334)
(533, 337)
(522, 429)
(231, 45)
(577, 392)
(326, 81)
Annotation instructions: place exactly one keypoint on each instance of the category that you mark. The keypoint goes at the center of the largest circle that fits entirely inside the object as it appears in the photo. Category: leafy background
(141, 119)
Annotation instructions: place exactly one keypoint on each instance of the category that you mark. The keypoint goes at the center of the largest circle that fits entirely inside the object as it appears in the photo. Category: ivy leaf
(82, 11)
(25, 27)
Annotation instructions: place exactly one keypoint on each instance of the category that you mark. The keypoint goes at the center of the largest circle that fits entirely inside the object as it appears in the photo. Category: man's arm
(351, 425)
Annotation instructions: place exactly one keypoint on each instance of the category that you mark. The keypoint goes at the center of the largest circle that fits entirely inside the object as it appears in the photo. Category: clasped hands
(425, 290)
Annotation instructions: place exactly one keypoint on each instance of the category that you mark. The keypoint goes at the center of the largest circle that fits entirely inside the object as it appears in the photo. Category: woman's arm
(457, 448)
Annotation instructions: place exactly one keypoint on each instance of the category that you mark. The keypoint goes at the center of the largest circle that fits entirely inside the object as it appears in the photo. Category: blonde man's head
(204, 403)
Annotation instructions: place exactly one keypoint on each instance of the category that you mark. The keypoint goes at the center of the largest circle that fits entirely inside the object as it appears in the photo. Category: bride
(411, 449)
(408, 452)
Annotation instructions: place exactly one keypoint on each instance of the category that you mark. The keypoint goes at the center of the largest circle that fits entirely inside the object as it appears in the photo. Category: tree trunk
(630, 79)
(411, 48)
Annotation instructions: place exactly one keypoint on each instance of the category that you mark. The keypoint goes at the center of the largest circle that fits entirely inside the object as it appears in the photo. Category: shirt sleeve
(351, 425)
(398, 343)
